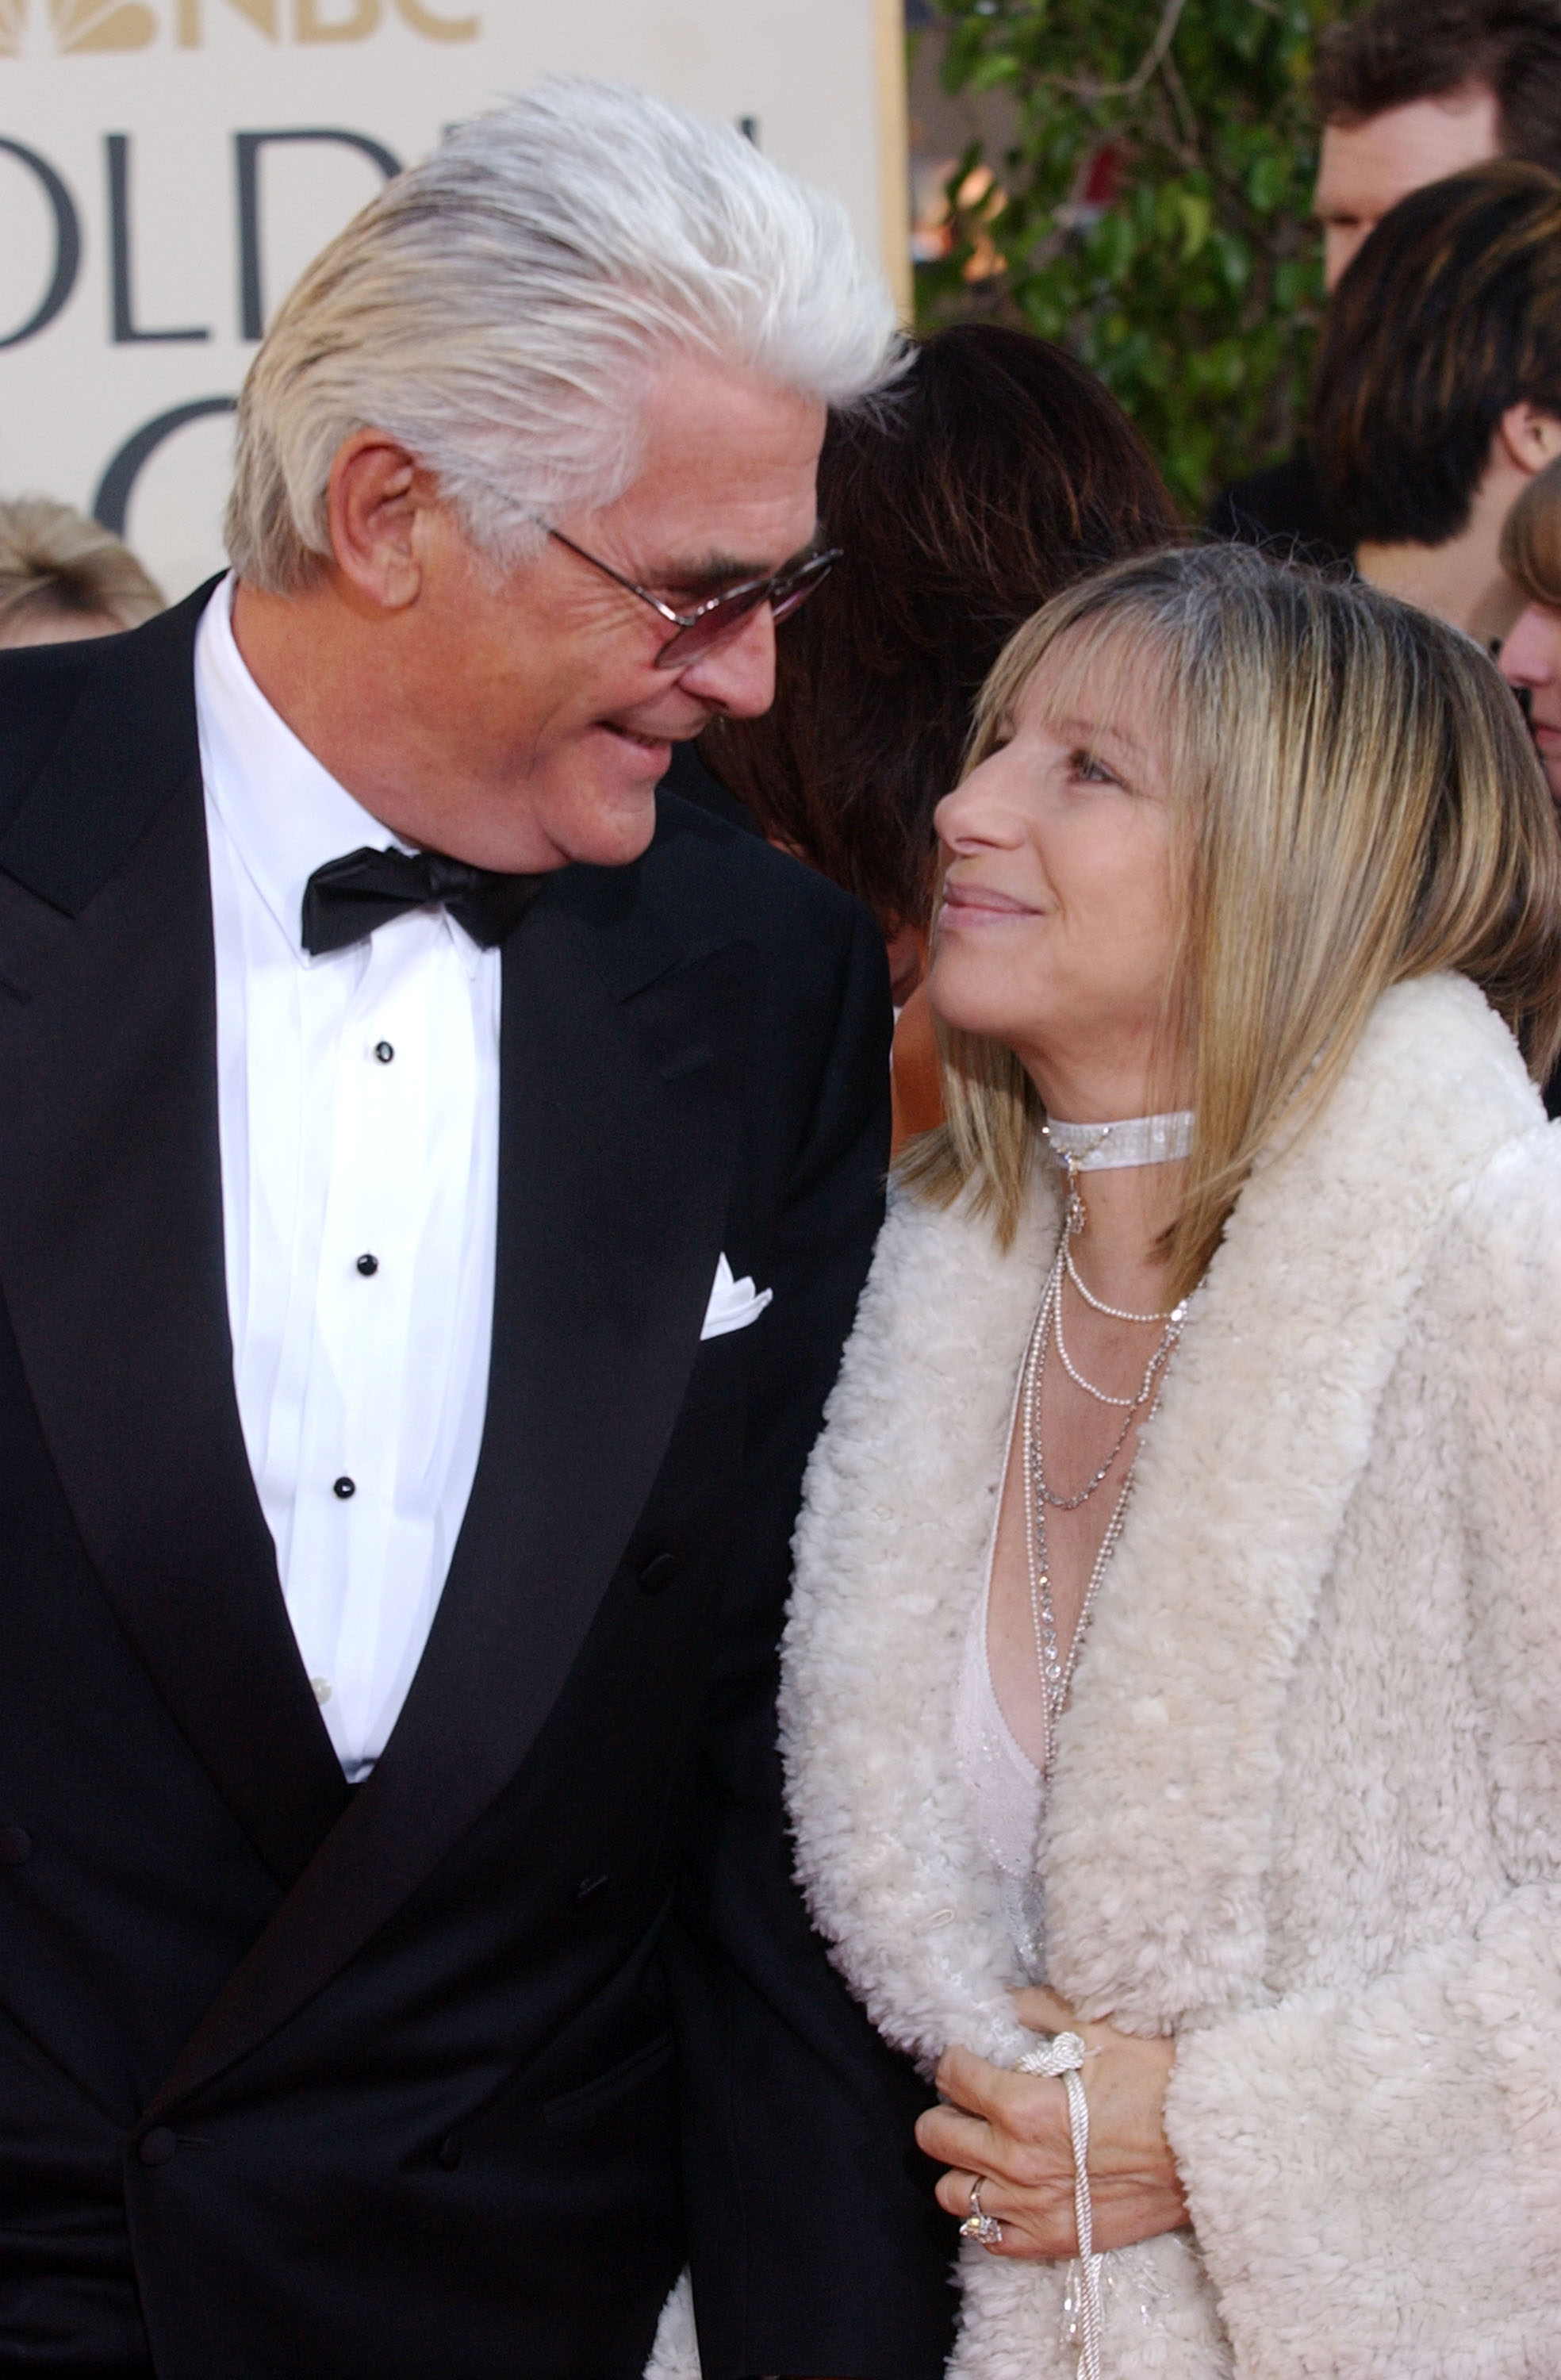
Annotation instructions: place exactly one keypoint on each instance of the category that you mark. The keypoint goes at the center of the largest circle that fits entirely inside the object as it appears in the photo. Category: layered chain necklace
(1082, 1148)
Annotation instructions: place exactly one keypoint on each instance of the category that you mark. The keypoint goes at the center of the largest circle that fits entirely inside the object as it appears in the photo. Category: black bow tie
(347, 898)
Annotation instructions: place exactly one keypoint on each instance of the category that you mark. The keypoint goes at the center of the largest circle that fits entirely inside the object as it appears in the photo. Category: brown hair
(1450, 313)
(998, 473)
(1531, 537)
(56, 563)
(1357, 804)
(1403, 49)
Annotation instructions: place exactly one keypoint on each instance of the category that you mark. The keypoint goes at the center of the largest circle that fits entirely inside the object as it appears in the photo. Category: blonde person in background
(1171, 1689)
(62, 576)
(1530, 657)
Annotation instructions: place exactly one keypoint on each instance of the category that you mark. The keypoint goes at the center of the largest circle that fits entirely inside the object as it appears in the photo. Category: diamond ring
(984, 2228)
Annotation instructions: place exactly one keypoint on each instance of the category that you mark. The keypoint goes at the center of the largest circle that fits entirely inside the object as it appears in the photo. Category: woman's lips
(977, 905)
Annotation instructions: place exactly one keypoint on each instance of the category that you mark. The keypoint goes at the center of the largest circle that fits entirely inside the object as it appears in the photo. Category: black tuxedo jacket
(442, 2079)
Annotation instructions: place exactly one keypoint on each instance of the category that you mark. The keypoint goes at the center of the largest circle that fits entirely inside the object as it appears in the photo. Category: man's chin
(606, 822)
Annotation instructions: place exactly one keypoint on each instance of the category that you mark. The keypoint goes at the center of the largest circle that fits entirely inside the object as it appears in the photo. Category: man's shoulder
(702, 881)
(139, 683)
(94, 736)
(41, 688)
(1282, 508)
(701, 853)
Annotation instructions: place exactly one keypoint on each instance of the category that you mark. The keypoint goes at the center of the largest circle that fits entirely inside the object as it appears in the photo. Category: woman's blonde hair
(1531, 537)
(57, 564)
(1358, 803)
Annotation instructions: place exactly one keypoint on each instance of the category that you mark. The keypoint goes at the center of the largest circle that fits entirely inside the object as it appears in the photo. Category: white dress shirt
(359, 1110)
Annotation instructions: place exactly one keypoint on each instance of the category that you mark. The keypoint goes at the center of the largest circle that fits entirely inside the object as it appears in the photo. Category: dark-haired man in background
(1437, 394)
(1406, 93)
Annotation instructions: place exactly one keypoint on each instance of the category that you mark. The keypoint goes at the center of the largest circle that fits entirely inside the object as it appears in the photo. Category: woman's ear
(377, 494)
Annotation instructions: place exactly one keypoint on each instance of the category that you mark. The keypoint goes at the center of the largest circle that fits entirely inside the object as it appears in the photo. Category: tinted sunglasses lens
(712, 628)
(793, 592)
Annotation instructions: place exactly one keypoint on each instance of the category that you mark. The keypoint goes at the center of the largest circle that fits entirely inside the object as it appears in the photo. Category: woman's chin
(968, 999)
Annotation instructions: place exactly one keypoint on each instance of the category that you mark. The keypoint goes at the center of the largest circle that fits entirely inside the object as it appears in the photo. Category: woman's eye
(1090, 768)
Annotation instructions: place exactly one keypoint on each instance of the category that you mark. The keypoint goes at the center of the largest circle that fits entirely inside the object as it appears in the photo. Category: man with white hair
(434, 1189)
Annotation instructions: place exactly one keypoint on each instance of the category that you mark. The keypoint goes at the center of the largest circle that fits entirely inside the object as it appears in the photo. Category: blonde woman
(1173, 1689)
(63, 577)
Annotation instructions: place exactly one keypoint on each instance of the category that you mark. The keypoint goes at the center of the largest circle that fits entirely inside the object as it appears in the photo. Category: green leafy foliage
(1192, 285)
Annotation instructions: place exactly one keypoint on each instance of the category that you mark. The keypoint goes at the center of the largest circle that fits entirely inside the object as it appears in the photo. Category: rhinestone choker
(1139, 1140)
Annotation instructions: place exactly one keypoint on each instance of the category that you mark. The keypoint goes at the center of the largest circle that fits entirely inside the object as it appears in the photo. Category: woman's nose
(1527, 654)
(974, 812)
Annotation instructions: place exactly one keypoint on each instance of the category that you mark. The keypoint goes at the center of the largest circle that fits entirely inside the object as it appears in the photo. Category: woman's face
(1531, 657)
(1058, 928)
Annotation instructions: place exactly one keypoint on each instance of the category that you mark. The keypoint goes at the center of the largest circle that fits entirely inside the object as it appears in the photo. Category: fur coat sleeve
(1306, 1813)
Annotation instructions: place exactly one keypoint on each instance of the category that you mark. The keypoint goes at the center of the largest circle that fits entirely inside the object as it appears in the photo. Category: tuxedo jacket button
(158, 2146)
(449, 2150)
(659, 1572)
(15, 1845)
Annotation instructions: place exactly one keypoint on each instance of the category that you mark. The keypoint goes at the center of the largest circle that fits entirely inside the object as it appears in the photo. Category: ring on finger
(984, 2228)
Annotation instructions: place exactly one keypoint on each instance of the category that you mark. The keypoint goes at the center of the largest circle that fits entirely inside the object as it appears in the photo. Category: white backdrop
(168, 167)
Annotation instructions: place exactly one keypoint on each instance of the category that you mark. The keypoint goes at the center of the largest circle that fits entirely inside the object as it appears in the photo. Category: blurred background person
(1531, 656)
(62, 576)
(1437, 394)
(1405, 94)
(996, 473)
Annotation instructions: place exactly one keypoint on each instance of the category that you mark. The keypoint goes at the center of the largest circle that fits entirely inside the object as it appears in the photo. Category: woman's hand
(1009, 2132)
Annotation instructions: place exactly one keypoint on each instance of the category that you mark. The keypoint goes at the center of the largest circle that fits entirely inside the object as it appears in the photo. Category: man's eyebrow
(712, 572)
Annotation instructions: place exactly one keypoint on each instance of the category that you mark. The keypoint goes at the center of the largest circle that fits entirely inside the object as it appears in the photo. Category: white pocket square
(734, 1304)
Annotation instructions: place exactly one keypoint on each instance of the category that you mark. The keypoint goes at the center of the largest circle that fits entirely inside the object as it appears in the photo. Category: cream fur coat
(1306, 1808)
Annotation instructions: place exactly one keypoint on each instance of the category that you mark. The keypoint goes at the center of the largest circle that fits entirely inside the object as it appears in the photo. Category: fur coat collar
(1158, 1836)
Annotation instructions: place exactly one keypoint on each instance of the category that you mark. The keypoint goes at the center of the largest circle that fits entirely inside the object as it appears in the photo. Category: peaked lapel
(620, 1076)
(111, 1232)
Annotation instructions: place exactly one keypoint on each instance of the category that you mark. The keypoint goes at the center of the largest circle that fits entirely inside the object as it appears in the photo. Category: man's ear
(1530, 437)
(377, 492)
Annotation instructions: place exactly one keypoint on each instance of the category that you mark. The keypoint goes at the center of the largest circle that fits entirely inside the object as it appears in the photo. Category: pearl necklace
(1057, 1675)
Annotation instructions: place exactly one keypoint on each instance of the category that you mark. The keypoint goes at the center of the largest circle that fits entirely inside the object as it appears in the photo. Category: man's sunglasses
(709, 624)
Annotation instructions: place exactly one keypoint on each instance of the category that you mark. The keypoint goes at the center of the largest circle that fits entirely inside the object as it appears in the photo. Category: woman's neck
(1102, 1078)
(1127, 1208)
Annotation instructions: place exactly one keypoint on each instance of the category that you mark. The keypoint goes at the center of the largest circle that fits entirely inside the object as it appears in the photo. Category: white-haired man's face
(520, 720)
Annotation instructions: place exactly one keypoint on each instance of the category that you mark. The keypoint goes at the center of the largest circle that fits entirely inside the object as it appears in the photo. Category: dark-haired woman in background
(996, 473)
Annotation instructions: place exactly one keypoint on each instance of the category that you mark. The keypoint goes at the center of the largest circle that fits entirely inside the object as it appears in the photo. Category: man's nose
(738, 677)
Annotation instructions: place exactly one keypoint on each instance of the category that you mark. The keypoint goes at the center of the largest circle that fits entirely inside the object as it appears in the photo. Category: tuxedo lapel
(111, 1239)
(619, 1059)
